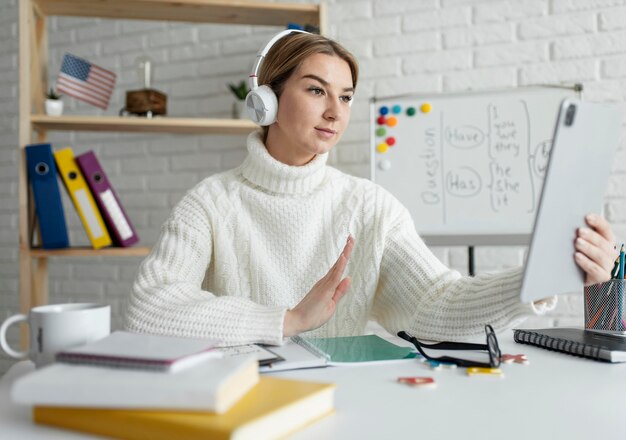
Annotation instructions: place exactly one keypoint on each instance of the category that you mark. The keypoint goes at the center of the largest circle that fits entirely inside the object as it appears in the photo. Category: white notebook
(211, 385)
(142, 351)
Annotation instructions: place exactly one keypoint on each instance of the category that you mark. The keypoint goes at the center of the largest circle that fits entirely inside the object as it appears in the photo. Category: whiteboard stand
(473, 240)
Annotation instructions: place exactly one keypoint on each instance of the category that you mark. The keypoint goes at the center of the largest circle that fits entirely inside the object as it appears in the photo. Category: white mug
(56, 327)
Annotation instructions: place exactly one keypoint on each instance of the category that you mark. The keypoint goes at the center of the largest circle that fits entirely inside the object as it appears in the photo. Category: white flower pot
(54, 107)
(239, 110)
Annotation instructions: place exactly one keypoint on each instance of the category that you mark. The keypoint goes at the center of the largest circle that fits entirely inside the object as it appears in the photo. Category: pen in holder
(604, 306)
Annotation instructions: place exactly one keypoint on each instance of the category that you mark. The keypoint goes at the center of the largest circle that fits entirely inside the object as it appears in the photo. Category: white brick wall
(404, 46)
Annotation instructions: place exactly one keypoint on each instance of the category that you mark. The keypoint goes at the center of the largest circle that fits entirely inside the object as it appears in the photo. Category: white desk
(557, 396)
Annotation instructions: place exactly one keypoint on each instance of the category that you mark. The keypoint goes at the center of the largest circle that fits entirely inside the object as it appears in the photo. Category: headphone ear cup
(262, 105)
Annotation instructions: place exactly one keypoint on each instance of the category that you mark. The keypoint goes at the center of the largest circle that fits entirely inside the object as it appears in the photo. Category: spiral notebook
(295, 354)
(577, 342)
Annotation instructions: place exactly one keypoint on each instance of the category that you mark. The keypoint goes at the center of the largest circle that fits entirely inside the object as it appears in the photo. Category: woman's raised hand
(320, 303)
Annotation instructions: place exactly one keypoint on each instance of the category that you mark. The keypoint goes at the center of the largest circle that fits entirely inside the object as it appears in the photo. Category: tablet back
(585, 139)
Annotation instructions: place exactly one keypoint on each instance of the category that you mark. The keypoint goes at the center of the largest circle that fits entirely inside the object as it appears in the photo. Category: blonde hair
(289, 52)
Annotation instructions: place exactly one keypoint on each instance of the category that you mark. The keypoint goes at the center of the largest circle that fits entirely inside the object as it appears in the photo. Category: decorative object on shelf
(240, 91)
(54, 105)
(147, 101)
(85, 81)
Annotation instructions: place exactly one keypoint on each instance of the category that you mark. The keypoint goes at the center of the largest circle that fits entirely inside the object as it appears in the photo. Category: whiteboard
(469, 168)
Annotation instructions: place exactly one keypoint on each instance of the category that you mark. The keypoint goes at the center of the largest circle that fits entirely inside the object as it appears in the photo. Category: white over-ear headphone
(261, 102)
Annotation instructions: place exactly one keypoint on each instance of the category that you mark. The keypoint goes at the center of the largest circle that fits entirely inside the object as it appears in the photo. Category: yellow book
(82, 198)
(272, 409)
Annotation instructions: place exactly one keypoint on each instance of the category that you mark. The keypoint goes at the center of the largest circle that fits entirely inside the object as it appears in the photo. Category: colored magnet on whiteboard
(410, 111)
(381, 131)
(392, 121)
(391, 141)
(384, 165)
(383, 110)
(517, 358)
(426, 108)
(479, 371)
(396, 109)
(381, 120)
(382, 147)
(421, 382)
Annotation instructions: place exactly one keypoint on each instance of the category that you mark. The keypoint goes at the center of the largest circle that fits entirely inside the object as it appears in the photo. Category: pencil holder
(604, 306)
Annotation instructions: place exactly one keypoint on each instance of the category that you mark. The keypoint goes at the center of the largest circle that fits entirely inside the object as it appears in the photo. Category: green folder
(354, 349)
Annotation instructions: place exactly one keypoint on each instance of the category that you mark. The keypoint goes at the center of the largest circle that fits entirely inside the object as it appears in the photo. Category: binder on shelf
(119, 224)
(81, 197)
(42, 174)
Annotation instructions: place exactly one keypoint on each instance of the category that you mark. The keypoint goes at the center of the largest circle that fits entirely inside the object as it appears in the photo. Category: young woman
(259, 253)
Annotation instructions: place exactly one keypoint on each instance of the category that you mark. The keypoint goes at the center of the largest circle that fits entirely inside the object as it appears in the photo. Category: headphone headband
(253, 81)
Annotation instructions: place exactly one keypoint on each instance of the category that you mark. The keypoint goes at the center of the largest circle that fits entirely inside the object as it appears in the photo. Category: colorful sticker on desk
(436, 365)
(514, 358)
(420, 382)
(479, 371)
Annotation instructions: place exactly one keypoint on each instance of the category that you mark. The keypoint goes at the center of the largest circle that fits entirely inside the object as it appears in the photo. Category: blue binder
(42, 173)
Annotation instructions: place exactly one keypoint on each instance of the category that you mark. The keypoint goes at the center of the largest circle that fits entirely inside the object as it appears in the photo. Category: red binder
(115, 217)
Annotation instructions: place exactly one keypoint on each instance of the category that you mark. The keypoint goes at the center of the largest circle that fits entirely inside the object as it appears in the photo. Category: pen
(615, 268)
(619, 287)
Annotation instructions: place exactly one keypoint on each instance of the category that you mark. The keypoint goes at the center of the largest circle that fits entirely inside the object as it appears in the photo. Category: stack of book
(97, 204)
(132, 386)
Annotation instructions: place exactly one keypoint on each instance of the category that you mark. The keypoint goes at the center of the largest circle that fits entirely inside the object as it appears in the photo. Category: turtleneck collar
(263, 170)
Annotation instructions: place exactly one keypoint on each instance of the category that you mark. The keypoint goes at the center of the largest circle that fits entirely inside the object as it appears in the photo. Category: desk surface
(556, 396)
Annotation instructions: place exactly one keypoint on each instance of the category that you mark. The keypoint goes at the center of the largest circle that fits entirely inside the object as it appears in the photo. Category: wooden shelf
(34, 126)
(204, 11)
(44, 123)
(85, 251)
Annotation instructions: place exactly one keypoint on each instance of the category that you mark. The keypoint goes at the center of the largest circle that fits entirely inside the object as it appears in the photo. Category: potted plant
(240, 91)
(54, 105)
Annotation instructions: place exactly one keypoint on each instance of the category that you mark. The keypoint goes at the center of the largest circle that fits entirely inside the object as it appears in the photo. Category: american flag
(86, 81)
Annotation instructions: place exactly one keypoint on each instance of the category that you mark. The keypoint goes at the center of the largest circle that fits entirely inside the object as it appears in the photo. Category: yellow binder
(82, 198)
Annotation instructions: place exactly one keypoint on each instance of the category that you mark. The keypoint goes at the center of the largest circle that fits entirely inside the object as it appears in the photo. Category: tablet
(585, 139)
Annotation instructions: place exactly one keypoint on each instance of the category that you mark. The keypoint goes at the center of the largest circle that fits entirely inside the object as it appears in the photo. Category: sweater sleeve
(167, 295)
(417, 293)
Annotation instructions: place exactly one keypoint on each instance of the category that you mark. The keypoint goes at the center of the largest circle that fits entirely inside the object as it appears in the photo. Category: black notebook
(576, 341)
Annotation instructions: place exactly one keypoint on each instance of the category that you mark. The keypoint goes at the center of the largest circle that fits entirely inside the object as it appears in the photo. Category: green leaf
(240, 90)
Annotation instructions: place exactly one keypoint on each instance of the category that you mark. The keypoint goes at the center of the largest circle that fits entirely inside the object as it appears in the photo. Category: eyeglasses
(491, 347)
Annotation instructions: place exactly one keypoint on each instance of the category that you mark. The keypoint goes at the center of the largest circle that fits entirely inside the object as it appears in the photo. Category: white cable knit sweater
(245, 245)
